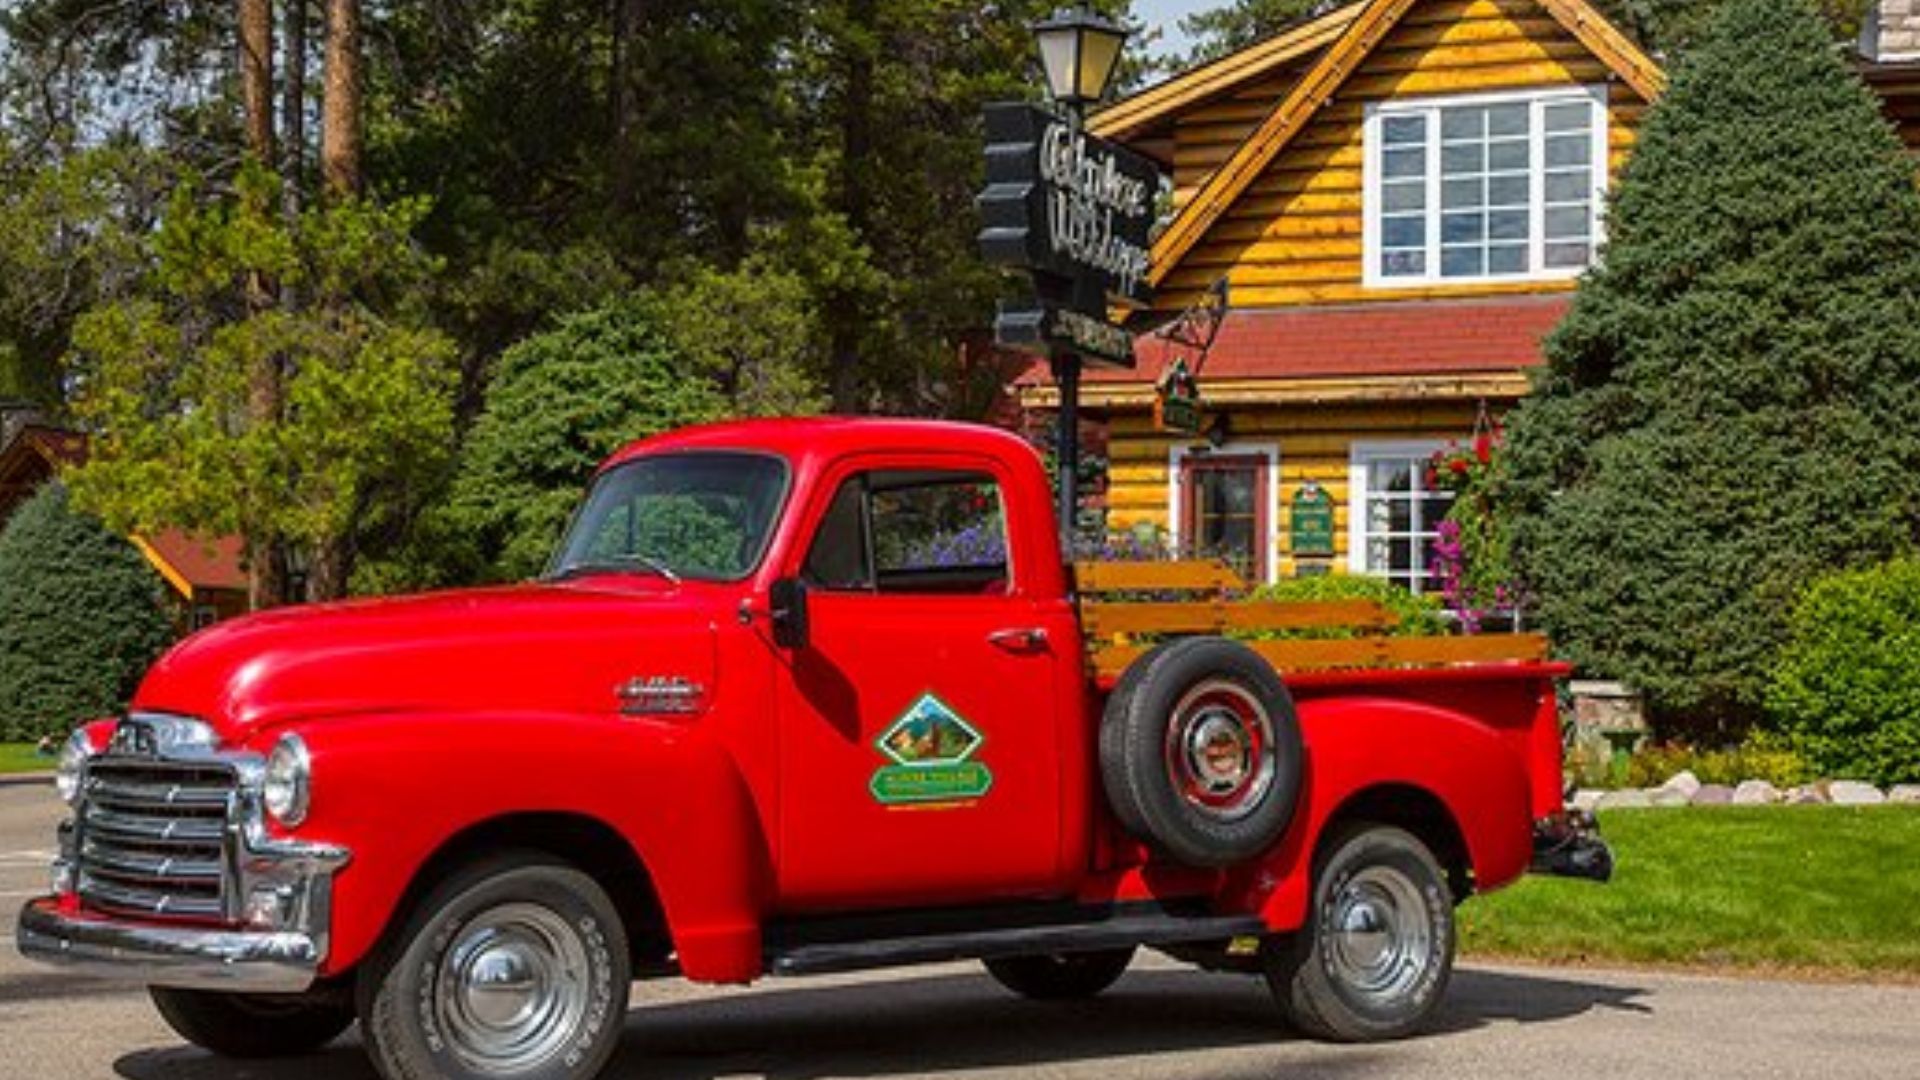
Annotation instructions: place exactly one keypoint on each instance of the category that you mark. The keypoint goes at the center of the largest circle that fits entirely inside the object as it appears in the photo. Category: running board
(1118, 932)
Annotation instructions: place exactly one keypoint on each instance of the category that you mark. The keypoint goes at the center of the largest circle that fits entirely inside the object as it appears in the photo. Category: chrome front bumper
(209, 959)
(264, 928)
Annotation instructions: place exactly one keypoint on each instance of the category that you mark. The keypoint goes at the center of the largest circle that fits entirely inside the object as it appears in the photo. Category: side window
(838, 558)
(913, 531)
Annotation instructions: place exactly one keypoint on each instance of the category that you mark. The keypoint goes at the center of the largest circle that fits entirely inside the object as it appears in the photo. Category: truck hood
(529, 648)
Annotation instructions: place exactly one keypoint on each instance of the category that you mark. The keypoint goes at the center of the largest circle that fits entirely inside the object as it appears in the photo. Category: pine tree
(1733, 403)
(81, 617)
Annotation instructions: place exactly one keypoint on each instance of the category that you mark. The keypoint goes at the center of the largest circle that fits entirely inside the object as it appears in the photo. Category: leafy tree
(171, 380)
(1729, 408)
(81, 617)
(1240, 23)
(560, 403)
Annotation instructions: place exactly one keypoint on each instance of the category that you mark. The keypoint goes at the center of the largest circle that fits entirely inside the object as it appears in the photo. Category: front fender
(1357, 744)
(395, 790)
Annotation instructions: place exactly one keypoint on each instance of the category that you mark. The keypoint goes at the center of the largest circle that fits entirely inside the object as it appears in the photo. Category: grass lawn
(1800, 888)
(19, 757)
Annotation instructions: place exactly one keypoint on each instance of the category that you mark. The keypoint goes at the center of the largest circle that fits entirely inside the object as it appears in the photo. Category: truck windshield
(691, 515)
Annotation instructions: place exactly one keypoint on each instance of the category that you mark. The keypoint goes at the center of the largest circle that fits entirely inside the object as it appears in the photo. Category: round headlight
(286, 787)
(73, 760)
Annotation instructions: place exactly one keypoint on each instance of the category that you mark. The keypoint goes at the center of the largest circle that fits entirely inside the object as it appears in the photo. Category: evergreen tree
(1733, 403)
(81, 617)
(1235, 25)
(559, 404)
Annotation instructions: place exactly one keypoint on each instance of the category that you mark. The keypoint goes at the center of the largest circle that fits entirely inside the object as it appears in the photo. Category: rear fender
(395, 790)
(1354, 745)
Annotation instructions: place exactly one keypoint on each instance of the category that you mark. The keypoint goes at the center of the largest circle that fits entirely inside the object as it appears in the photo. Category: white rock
(1904, 793)
(1683, 782)
(1713, 795)
(1806, 794)
(1755, 793)
(1586, 799)
(1854, 793)
(1666, 796)
(1630, 799)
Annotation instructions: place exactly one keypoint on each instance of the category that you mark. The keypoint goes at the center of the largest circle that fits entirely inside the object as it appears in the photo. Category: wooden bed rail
(1114, 624)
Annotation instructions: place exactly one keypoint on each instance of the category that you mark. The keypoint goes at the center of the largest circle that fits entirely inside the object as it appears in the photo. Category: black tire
(1212, 813)
(1335, 984)
(254, 1025)
(1113, 744)
(1060, 976)
(515, 912)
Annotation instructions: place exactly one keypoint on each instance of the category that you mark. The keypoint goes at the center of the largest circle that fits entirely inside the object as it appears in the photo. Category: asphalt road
(1160, 1021)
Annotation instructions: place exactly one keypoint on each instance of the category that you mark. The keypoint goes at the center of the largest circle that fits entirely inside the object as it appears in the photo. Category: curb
(23, 779)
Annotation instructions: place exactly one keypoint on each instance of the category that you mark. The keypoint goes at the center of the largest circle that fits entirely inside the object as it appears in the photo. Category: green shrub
(1418, 614)
(1847, 688)
(1729, 406)
(81, 617)
(1761, 756)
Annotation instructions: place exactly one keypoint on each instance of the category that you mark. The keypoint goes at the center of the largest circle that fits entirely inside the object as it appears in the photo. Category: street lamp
(1079, 50)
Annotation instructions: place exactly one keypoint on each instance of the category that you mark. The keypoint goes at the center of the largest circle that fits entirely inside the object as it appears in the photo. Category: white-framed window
(1484, 187)
(1393, 511)
(1223, 502)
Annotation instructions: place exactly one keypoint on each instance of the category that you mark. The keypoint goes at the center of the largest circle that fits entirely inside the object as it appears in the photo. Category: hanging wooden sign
(1176, 404)
(1311, 524)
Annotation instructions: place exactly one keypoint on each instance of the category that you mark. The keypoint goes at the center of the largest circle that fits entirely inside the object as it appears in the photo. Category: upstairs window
(1487, 188)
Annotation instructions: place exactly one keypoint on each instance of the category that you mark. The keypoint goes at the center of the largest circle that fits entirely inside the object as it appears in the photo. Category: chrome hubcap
(1220, 750)
(1380, 942)
(512, 989)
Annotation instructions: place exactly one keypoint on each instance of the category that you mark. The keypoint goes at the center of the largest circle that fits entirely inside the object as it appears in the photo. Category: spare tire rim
(512, 989)
(1378, 940)
(1220, 750)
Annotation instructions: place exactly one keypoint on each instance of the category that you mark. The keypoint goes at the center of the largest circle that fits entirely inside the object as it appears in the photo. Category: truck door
(919, 733)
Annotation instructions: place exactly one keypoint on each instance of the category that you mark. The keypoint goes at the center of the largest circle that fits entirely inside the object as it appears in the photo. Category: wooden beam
(1634, 66)
(1128, 116)
(1314, 89)
(1162, 576)
(1367, 652)
(1108, 618)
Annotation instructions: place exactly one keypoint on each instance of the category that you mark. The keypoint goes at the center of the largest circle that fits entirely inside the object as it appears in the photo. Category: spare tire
(1200, 751)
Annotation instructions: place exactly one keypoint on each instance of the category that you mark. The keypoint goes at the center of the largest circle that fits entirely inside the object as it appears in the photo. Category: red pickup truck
(793, 697)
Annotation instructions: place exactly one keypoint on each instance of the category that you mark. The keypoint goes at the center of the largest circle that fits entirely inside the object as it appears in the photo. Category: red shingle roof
(205, 564)
(1429, 337)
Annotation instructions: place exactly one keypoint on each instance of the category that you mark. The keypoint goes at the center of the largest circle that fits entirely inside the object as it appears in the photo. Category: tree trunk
(329, 570)
(624, 75)
(856, 146)
(340, 121)
(266, 576)
(256, 76)
(293, 108)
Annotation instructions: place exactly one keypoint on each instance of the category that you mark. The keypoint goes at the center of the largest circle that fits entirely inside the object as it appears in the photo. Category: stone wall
(1892, 31)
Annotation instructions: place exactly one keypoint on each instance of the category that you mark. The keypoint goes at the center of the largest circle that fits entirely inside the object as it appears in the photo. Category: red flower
(1458, 465)
(1483, 448)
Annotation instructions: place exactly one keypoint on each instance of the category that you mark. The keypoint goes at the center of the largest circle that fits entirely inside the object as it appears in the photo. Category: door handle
(1025, 639)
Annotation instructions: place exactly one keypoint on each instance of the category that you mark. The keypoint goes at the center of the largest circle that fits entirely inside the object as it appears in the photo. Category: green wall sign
(1312, 521)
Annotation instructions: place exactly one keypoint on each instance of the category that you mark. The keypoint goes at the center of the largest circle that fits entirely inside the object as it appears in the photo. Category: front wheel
(253, 1025)
(1374, 958)
(515, 969)
(1060, 976)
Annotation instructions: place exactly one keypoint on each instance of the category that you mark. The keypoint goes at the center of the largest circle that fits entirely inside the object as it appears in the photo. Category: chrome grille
(152, 837)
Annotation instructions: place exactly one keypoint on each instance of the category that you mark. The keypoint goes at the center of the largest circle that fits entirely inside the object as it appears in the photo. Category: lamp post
(1079, 50)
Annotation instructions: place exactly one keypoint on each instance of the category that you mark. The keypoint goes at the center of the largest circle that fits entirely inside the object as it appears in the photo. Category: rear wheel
(515, 969)
(254, 1025)
(1060, 976)
(1373, 960)
(1200, 752)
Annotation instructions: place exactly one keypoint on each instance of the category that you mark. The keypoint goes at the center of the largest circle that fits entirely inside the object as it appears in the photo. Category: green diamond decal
(931, 748)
